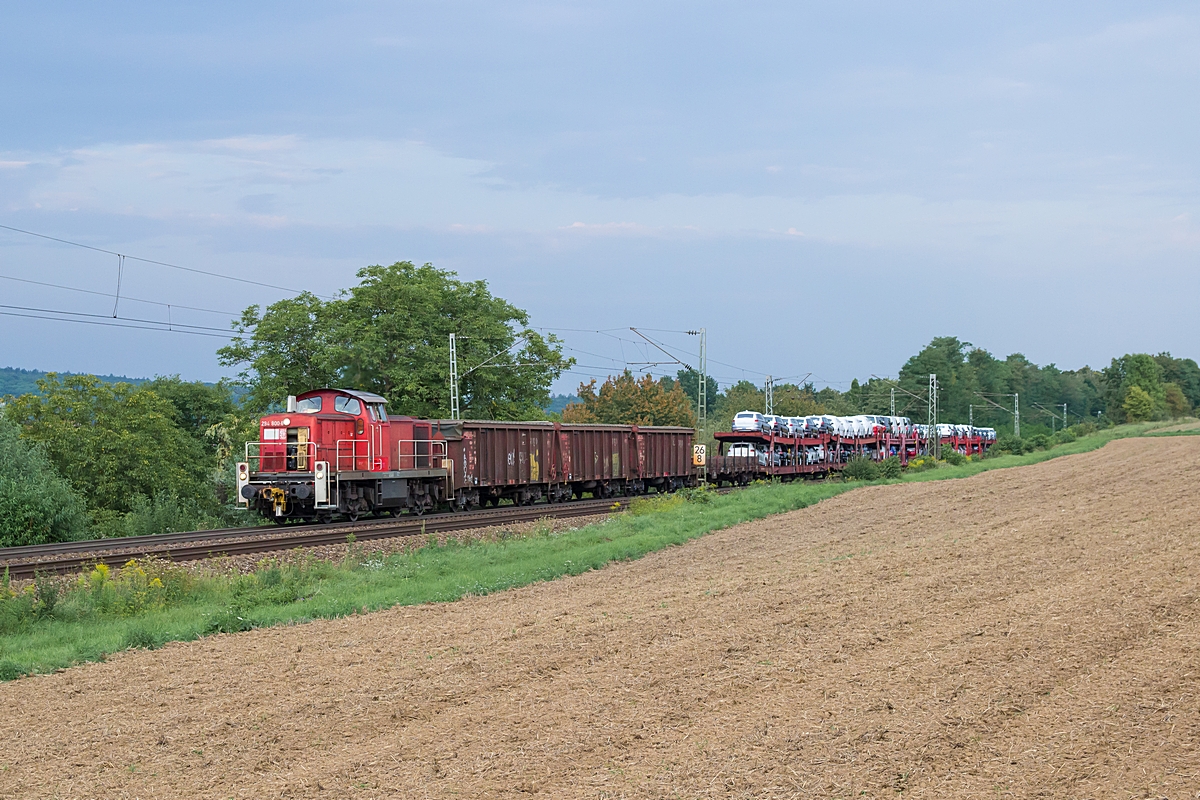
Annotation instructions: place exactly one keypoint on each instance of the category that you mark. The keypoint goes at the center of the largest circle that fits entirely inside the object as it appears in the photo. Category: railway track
(65, 557)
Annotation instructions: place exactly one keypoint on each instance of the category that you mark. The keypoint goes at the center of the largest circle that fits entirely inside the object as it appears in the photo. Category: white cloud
(280, 181)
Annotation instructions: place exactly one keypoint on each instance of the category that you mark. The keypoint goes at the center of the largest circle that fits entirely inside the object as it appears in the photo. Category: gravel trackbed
(1024, 633)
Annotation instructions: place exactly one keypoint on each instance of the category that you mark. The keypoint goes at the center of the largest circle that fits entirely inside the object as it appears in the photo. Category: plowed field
(1026, 632)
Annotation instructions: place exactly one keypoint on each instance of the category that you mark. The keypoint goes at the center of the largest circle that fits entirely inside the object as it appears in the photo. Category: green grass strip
(103, 613)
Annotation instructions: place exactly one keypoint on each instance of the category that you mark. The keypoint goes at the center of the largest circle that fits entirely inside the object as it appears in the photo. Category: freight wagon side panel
(595, 453)
(505, 454)
(665, 452)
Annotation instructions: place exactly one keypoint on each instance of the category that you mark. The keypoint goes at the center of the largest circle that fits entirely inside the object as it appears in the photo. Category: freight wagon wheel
(352, 516)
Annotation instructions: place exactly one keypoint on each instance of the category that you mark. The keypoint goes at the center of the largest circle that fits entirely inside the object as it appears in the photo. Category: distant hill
(16, 381)
(560, 401)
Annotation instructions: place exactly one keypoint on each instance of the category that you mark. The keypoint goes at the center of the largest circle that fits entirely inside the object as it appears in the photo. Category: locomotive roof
(366, 397)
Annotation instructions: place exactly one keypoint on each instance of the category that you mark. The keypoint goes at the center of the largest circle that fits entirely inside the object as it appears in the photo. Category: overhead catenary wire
(127, 298)
(106, 321)
(125, 319)
(124, 256)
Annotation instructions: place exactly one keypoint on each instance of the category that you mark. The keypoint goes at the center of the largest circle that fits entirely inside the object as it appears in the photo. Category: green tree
(290, 348)
(36, 504)
(1184, 373)
(742, 396)
(945, 357)
(797, 401)
(390, 335)
(965, 372)
(689, 380)
(1133, 370)
(625, 400)
(1138, 405)
(114, 442)
(198, 405)
(1175, 400)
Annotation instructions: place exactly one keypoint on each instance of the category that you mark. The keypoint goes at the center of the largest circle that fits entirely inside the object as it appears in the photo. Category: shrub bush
(165, 513)
(1085, 428)
(1011, 444)
(953, 457)
(922, 464)
(861, 468)
(37, 505)
(1063, 437)
(890, 467)
(1039, 441)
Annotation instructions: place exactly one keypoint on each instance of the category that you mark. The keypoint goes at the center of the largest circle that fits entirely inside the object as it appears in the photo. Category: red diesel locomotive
(336, 451)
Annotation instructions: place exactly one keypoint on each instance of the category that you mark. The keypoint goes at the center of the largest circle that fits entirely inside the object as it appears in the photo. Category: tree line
(972, 385)
(84, 457)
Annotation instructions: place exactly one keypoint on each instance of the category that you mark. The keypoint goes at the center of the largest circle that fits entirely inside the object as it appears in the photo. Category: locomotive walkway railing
(348, 455)
(435, 453)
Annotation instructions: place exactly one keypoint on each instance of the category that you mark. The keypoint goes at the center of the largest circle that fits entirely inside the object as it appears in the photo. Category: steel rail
(152, 540)
(183, 547)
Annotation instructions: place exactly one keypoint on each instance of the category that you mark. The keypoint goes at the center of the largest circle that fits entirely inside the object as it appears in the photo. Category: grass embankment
(48, 626)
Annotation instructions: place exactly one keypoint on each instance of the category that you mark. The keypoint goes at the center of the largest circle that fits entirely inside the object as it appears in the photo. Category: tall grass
(49, 625)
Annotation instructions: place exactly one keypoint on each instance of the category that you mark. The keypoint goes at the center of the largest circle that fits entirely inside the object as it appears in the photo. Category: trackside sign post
(699, 455)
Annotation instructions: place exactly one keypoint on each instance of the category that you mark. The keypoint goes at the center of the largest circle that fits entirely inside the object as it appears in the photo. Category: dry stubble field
(1026, 632)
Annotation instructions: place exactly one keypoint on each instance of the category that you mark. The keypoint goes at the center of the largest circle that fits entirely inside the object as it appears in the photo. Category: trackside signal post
(702, 400)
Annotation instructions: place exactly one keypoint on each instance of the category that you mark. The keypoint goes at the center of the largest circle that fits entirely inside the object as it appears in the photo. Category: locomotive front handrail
(281, 456)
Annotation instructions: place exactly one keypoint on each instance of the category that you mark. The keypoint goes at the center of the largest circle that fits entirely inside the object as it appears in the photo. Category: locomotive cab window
(347, 405)
(309, 405)
(377, 412)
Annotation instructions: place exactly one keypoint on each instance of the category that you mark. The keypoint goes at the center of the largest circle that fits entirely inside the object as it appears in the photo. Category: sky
(823, 187)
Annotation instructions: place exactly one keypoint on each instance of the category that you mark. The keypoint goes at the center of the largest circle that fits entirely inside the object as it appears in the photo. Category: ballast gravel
(1028, 632)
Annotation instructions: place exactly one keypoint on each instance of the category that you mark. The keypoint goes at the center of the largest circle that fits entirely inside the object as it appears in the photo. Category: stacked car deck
(788, 457)
(967, 445)
(785, 456)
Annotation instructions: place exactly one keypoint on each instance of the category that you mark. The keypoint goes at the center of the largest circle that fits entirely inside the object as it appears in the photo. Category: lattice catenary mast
(936, 441)
(454, 412)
